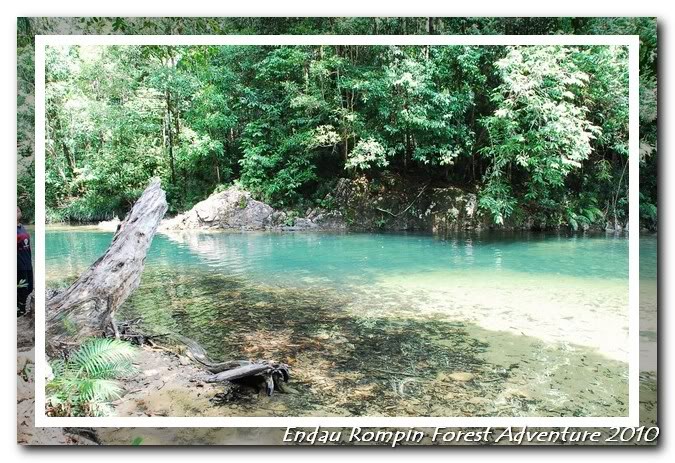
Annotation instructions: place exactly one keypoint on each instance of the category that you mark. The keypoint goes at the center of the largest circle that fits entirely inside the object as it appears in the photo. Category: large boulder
(230, 209)
(328, 220)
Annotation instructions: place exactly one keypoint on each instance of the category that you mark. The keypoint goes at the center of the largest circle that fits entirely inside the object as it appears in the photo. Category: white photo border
(631, 41)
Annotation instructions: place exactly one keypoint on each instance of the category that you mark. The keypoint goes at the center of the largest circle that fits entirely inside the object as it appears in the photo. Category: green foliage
(648, 212)
(381, 222)
(582, 218)
(137, 441)
(366, 154)
(26, 192)
(560, 112)
(531, 129)
(84, 383)
(290, 218)
(539, 128)
(107, 112)
(497, 199)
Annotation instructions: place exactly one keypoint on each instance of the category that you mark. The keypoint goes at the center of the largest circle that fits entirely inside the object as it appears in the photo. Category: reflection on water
(395, 325)
(335, 258)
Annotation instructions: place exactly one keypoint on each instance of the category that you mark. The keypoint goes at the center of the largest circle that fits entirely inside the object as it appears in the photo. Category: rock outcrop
(235, 209)
(385, 203)
(357, 204)
(317, 219)
(392, 204)
(451, 209)
(232, 209)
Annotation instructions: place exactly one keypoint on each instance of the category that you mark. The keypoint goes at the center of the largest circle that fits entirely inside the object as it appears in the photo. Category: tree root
(271, 375)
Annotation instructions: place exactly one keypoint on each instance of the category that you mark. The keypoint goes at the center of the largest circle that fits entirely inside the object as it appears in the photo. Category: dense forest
(538, 130)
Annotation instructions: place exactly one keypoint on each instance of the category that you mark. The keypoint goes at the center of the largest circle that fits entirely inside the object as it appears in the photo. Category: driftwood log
(87, 308)
(273, 374)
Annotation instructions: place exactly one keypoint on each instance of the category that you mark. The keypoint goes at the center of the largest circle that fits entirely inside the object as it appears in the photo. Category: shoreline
(496, 232)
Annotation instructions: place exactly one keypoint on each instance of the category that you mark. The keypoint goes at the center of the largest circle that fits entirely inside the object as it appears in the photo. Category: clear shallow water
(533, 321)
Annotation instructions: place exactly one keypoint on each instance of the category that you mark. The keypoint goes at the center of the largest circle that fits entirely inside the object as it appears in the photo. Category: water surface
(395, 324)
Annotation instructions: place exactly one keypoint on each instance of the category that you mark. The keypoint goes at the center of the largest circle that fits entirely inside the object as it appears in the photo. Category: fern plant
(85, 383)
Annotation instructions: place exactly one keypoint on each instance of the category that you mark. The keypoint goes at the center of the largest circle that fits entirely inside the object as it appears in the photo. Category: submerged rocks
(461, 376)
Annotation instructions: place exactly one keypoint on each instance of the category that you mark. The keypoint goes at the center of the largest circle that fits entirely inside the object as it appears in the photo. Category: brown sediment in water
(343, 364)
(347, 365)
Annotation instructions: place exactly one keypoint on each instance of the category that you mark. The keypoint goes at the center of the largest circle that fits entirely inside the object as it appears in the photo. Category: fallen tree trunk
(88, 306)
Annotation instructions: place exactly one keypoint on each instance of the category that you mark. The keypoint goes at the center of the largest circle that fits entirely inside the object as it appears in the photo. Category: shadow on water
(344, 364)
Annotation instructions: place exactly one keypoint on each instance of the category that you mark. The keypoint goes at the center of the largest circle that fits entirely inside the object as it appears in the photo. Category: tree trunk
(169, 132)
(88, 306)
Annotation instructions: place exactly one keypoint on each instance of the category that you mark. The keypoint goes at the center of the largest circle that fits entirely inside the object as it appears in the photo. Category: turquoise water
(513, 312)
(359, 257)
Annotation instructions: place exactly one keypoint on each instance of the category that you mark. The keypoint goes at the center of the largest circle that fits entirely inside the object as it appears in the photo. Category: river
(399, 324)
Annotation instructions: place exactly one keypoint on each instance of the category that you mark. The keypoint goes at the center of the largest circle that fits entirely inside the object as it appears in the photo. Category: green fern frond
(115, 370)
(102, 357)
(57, 367)
(99, 390)
(84, 385)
